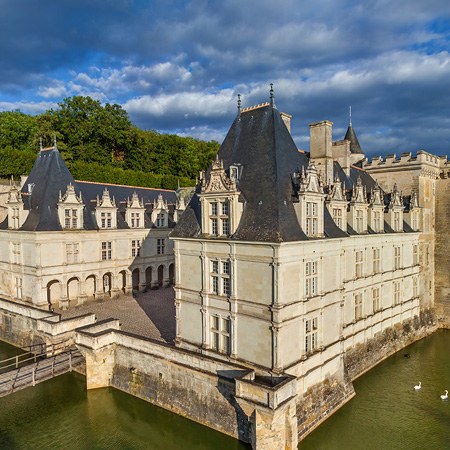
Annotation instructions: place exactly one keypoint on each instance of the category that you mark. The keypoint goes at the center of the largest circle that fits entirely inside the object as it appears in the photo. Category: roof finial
(239, 103)
(40, 143)
(350, 115)
(54, 141)
(272, 96)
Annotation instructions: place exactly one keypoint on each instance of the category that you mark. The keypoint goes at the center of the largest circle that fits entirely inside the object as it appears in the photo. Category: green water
(387, 413)
(61, 414)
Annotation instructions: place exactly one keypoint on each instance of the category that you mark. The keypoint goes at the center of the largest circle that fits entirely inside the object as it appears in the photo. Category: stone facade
(64, 242)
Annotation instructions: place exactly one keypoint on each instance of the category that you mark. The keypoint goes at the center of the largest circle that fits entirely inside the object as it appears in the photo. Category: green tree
(16, 130)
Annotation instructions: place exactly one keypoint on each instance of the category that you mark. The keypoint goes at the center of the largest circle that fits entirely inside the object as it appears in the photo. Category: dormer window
(70, 218)
(106, 211)
(376, 221)
(337, 216)
(134, 214)
(70, 209)
(221, 209)
(160, 220)
(312, 218)
(396, 221)
(359, 220)
(135, 220)
(106, 219)
(311, 199)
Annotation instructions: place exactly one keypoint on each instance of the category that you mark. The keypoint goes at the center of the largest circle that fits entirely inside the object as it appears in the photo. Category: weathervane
(350, 115)
(239, 103)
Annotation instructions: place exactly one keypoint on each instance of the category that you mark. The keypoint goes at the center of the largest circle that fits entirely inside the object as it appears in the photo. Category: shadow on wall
(227, 387)
(161, 313)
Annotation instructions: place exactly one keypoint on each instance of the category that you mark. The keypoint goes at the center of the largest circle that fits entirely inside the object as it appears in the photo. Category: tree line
(99, 143)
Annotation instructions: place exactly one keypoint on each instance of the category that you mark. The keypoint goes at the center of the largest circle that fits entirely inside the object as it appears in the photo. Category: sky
(177, 66)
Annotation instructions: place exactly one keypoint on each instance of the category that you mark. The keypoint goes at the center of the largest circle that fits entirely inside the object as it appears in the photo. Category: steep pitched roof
(259, 141)
(354, 143)
(48, 177)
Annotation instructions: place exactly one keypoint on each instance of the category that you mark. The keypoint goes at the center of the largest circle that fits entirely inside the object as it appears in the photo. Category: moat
(386, 412)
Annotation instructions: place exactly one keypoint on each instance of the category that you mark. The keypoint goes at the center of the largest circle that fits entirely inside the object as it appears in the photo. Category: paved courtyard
(151, 314)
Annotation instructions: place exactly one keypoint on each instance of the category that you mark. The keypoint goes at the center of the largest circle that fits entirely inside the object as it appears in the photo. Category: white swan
(418, 386)
(445, 396)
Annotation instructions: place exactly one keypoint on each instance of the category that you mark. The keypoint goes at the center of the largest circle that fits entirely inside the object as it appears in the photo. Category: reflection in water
(387, 413)
(61, 414)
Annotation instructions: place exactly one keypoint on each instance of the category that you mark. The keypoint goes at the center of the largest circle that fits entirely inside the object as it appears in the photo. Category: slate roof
(350, 135)
(50, 176)
(259, 141)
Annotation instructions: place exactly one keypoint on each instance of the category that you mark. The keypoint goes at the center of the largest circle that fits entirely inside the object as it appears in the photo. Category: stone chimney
(287, 120)
(321, 149)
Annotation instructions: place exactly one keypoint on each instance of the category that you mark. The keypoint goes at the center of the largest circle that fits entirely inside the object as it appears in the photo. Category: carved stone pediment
(135, 202)
(106, 200)
(376, 197)
(309, 180)
(160, 204)
(414, 202)
(396, 198)
(70, 197)
(337, 193)
(359, 192)
(14, 196)
(218, 180)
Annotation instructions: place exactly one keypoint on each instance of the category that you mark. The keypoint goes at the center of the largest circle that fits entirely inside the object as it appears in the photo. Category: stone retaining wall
(442, 251)
(366, 356)
(321, 401)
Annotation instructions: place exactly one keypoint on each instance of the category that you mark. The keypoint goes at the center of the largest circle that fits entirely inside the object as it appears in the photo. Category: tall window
(376, 299)
(106, 219)
(358, 306)
(214, 221)
(359, 263)
(337, 216)
(160, 246)
(312, 218)
(135, 219)
(221, 334)
(376, 260)
(220, 277)
(15, 217)
(311, 328)
(135, 247)
(415, 287)
(106, 250)
(377, 221)
(18, 286)
(415, 255)
(397, 292)
(72, 251)
(397, 258)
(359, 221)
(70, 218)
(160, 220)
(396, 221)
(311, 278)
(16, 253)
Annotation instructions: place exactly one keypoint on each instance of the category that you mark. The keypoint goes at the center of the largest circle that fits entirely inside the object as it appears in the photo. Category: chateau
(295, 272)
(65, 242)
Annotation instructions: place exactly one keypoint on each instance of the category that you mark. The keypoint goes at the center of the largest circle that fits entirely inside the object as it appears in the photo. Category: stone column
(82, 297)
(142, 281)
(115, 281)
(99, 294)
(166, 278)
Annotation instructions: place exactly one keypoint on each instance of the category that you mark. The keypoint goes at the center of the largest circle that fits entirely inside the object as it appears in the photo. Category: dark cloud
(178, 65)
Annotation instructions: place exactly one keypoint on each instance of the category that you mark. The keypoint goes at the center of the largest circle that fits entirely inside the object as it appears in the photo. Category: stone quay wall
(222, 395)
(364, 357)
(442, 251)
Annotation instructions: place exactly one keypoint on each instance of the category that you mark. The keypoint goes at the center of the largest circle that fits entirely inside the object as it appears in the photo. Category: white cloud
(27, 107)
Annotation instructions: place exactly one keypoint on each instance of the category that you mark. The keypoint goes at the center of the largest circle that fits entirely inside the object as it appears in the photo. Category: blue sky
(177, 66)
